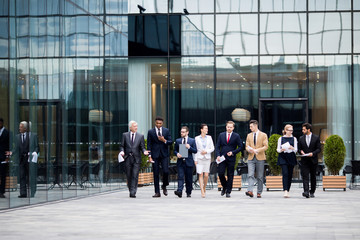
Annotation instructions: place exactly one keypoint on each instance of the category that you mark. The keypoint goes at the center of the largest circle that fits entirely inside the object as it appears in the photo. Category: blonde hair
(286, 127)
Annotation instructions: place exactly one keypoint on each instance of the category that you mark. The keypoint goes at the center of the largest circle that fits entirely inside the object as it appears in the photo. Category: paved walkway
(331, 215)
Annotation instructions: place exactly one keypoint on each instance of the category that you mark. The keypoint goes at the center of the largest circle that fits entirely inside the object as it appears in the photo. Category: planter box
(236, 182)
(274, 182)
(334, 182)
(11, 183)
(146, 178)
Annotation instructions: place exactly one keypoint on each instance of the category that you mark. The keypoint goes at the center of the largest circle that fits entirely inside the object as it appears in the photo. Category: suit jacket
(4, 144)
(31, 144)
(235, 145)
(189, 160)
(314, 148)
(155, 146)
(209, 148)
(136, 148)
(261, 145)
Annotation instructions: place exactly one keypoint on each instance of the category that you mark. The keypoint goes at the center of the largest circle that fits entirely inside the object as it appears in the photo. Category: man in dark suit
(4, 148)
(309, 144)
(26, 151)
(185, 165)
(158, 142)
(228, 145)
(132, 145)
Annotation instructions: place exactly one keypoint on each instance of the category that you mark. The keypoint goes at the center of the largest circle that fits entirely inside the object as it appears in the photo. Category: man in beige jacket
(256, 145)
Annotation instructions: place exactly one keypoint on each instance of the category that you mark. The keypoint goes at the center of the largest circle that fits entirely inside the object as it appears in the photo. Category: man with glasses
(185, 164)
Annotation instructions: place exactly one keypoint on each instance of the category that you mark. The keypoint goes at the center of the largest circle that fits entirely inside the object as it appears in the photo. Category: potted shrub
(273, 181)
(334, 157)
(144, 176)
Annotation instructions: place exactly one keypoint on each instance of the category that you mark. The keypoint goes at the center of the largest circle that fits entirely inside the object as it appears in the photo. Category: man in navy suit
(309, 144)
(228, 145)
(4, 148)
(158, 141)
(185, 165)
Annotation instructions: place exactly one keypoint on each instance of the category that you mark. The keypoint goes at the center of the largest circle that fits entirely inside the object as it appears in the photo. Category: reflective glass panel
(116, 6)
(236, 34)
(116, 36)
(356, 5)
(283, 77)
(236, 92)
(282, 33)
(151, 6)
(4, 36)
(236, 6)
(281, 5)
(197, 34)
(357, 106)
(192, 6)
(330, 98)
(329, 5)
(325, 26)
(4, 7)
(191, 94)
(357, 32)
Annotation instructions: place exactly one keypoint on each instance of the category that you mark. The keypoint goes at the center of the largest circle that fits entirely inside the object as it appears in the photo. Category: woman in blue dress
(287, 148)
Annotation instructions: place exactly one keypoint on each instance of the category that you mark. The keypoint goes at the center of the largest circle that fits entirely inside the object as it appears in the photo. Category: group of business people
(197, 152)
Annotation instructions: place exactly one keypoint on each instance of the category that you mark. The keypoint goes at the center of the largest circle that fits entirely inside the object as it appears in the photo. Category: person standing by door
(132, 145)
(4, 148)
(26, 151)
(158, 142)
(309, 147)
(185, 164)
(256, 145)
(228, 145)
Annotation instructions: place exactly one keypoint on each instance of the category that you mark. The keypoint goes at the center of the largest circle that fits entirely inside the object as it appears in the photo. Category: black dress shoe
(132, 196)
(312, 195)
(188, 195)
(156, 195)
(2, 195)
(22, 196)
(165, 192)
(223, 192)
(228, 195)
(179, 194)
(305, 195)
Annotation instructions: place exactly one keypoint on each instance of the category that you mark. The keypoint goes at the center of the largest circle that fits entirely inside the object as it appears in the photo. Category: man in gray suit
(132, 144)
(26, 151)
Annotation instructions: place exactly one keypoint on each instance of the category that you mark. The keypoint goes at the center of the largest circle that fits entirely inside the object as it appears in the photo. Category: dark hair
(230, 122)
(254, 122)
(202, 126)
(185, 127)
(158, 118)
(307, 126)
(1, 120)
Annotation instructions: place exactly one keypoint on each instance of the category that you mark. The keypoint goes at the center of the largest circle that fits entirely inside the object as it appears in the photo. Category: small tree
(144, 160)
(272, 155)
(334, 154)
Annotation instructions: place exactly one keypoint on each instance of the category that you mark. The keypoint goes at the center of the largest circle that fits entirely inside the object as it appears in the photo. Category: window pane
(237, 34)
(236, 6)
(282, 33)
(281, 5)
(325, 26)
(357, 32)
(283, 77)
(151, 6)
(236, 90)
(4, 7)
(329, 5)
(357, 106)
(4, 38)
(197, 34)
(116, 36)
(329, 111)
(191, 94)
(192, 6)
(116, 6)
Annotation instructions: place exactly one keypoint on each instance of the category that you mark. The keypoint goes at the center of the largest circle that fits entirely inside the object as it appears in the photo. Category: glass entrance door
(276, 113)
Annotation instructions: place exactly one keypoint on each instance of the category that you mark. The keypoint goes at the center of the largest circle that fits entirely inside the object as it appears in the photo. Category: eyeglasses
(289, 130)
(182, 131)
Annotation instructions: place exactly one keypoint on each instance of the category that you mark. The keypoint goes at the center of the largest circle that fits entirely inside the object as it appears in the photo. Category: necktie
(159, 133)
(228, 139)
(254, 139)
(183, 140)
(132, 138)
(23, 137)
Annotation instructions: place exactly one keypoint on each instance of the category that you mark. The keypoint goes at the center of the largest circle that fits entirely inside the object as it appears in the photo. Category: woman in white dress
(205, 146)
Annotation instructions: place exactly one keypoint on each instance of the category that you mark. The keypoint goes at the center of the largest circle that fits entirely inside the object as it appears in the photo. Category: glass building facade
(79, 71)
